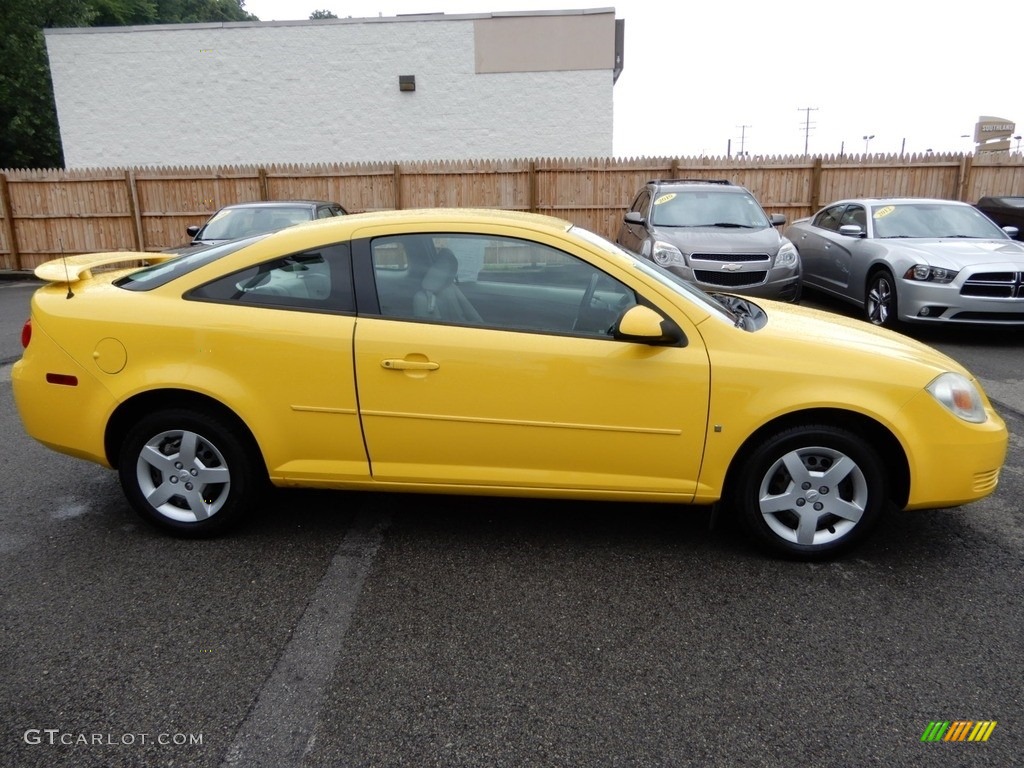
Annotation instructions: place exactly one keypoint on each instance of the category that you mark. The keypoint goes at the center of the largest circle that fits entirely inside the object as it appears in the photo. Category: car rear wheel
(188, 473)
(880, 305)
(811, 492)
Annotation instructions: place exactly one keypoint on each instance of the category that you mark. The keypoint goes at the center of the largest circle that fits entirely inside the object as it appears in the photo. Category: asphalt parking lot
(369, 630)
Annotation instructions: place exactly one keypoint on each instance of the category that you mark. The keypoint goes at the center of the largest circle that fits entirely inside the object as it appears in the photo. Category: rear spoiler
(71, 269)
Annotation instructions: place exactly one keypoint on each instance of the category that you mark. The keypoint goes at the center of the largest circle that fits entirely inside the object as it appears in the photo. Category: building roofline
(420, 17)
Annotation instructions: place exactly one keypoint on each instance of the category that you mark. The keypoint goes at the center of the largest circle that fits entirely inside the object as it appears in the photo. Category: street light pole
(867, 140)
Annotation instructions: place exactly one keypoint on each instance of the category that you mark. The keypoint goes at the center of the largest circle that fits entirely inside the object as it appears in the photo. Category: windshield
(232, 223)
(708, 208)
(932, 220)
(665, 277)
(160, 274)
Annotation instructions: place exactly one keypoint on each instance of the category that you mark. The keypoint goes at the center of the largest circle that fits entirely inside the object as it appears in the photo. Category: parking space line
(281, 725)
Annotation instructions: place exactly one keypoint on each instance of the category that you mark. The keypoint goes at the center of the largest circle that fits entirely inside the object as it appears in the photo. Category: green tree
(322, 15)
(198, 11)
(28, 118)
(29, 135)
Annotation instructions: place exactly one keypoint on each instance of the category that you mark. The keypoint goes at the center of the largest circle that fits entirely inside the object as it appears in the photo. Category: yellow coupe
(487, 352)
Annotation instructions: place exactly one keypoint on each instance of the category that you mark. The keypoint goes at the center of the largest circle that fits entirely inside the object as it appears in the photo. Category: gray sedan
(914, 260)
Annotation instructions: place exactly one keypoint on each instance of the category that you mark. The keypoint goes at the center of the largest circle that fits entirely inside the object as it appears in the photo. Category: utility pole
(807, 125)
(743, 139)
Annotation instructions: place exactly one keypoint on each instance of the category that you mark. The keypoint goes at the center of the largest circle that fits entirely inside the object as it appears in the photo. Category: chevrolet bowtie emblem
(732, 267)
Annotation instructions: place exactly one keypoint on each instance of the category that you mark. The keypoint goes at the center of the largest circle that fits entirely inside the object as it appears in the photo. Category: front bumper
(952, 461)
(921, 302)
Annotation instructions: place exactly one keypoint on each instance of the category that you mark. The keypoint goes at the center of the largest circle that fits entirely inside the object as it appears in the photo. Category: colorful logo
(958, 730)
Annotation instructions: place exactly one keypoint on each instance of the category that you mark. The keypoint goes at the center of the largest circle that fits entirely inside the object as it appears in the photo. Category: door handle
(393, 364)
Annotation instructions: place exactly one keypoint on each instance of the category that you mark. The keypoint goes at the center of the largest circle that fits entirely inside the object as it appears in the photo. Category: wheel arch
(130, 411)
(878, 266)
(890, 451)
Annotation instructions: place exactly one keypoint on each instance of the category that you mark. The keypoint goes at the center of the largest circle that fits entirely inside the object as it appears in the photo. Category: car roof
(279, 203)
(433, 218)
(678, 183)
(896, 200)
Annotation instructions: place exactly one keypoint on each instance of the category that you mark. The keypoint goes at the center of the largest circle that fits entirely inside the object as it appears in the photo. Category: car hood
(802, 327)
(721, 239)
(960, 253)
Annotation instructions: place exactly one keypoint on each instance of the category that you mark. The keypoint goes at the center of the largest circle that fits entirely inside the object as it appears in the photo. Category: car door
(528, 396)
(814, 242)
(842, 252)
(292, 378)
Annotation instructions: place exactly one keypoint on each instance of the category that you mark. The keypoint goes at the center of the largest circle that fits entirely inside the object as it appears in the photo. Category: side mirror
(1012, 231)
(192, 230)
(634, 217)
(777, 219)
(643, 324)
(851, 230)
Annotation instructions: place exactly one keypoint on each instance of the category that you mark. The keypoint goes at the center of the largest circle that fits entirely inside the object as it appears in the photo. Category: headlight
(960, 396)
(787, 256)
(667, 255)
(925, 273)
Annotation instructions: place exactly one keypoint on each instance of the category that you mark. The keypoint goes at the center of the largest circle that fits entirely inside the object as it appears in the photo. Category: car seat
(439, 297)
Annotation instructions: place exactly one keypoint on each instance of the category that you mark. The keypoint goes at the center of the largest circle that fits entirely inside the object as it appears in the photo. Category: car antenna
(64, 258)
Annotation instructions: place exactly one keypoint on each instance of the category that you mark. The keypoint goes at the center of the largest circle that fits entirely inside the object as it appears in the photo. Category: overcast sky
(699, 73)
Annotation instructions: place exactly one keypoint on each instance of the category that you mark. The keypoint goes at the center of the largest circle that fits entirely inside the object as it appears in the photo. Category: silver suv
(713, 234)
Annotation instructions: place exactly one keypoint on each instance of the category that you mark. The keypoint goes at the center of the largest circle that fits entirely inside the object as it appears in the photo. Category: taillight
(26, 333)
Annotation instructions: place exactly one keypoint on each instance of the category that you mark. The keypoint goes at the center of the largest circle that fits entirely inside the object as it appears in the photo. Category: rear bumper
(69, 418)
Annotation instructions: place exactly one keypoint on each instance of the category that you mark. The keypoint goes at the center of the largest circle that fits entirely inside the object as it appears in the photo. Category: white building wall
(311, 92)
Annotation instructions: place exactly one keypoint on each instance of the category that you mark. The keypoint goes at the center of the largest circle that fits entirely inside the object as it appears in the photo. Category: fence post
(8, 213)
(532, 184)
(133, 210)
(816, 185)
(398, 187)
(963, 182)
(264, 184)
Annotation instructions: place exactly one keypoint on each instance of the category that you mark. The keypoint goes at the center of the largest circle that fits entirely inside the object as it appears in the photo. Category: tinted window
(830, 217)
(163, 273)
(319, 280)
(855, 214)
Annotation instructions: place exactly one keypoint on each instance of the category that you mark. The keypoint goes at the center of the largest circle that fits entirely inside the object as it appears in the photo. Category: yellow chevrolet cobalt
(488, 353)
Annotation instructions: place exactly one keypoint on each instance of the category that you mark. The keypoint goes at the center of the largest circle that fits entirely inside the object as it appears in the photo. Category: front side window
(495, 282)
(317, 280)
(829, 218)
(855, 214)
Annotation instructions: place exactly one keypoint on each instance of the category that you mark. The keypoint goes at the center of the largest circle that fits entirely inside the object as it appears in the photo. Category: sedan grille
(995, 285)
(730, 279)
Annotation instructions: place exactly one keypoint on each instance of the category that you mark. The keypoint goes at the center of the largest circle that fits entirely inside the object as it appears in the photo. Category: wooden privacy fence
(44, 213)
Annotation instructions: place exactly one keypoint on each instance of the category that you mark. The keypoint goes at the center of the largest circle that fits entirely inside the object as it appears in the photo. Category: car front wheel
(812, 491)
(187, 473)
(880, 305)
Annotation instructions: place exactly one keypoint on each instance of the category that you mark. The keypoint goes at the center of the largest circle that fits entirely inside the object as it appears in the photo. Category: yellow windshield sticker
(665, 198)
(883, 212)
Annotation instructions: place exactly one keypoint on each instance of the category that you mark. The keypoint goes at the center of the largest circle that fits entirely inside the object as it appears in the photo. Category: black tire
(881, 306)
(188, 473)
(810, 492)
